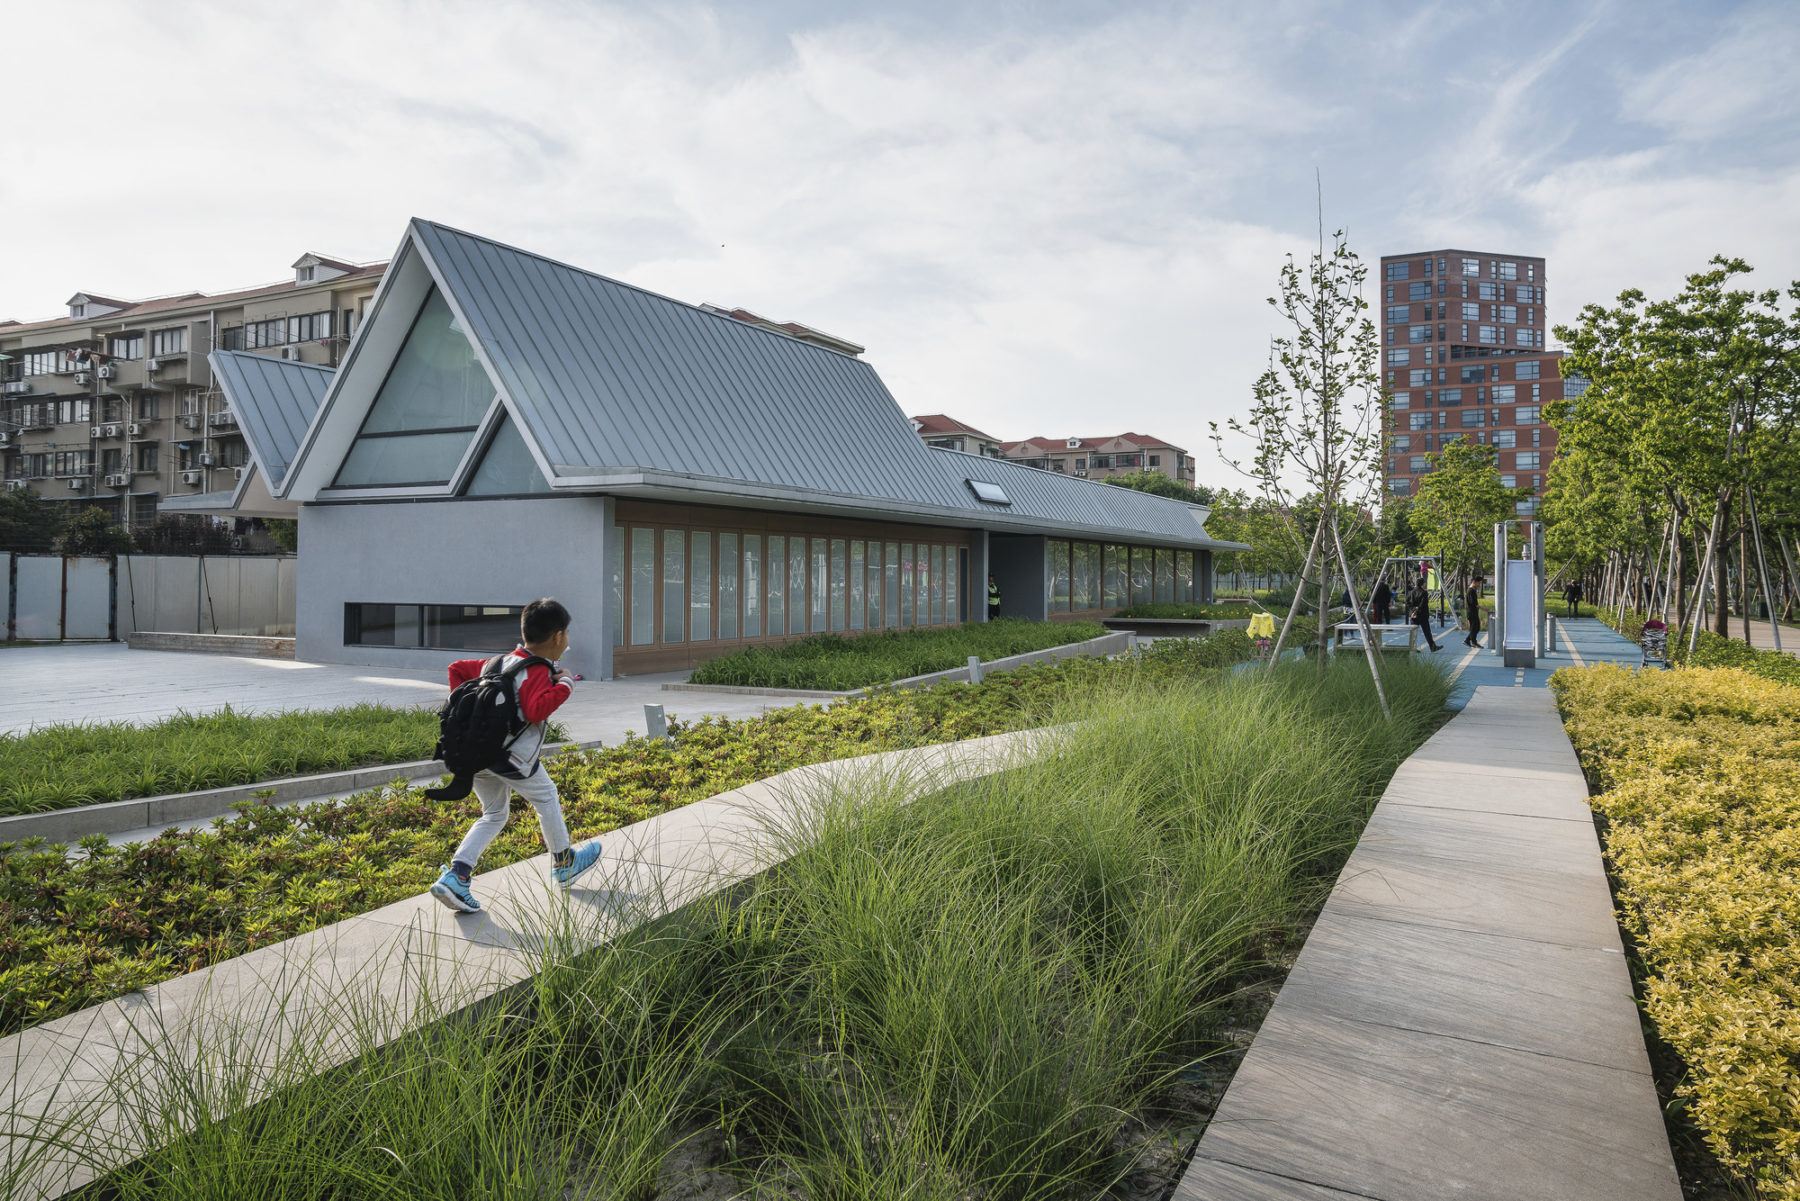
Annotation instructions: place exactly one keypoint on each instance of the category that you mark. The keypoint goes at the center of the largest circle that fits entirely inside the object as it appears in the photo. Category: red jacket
(539, 696)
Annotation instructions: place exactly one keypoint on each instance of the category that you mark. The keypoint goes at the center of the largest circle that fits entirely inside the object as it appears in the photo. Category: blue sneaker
(586, 855)
(454, 894)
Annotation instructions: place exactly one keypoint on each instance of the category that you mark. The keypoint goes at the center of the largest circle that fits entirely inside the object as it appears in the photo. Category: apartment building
(1097, 458)
(115, 404)
(1466, 356)
(947, 433)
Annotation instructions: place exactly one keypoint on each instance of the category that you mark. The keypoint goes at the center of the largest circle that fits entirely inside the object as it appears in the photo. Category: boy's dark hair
(541, 619)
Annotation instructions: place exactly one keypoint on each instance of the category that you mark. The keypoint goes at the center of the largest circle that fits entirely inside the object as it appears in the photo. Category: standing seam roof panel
(484, 280)
(611, 376)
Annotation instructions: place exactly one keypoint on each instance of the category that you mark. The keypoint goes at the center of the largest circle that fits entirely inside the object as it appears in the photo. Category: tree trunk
(1744, 578)
(1721, 578)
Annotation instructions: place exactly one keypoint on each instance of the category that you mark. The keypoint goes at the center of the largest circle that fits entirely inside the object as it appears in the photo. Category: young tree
(1694, 398)
(1317, 416)
(1457, 505)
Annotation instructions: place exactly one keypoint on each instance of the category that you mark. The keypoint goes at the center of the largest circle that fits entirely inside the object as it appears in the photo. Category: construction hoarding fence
(60, 598)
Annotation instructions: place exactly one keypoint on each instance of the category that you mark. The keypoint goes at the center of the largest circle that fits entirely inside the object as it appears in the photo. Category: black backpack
(479, 722)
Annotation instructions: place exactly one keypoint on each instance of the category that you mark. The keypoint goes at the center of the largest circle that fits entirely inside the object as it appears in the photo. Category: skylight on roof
(987, 493)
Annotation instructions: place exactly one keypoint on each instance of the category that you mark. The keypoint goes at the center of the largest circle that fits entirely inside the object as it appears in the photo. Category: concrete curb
(138, 813)
(255, 646)
(1106, 644)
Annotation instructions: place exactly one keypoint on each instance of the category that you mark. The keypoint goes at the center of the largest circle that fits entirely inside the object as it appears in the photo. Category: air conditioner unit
(82, 377)
(5, 437)
(96, 431)
(77, 485)
(191, 420)
(1081, 475)
(224, 417)
(108, 371)
(134, 429)
(16, 485)
(237, 473)
(290, 352)
(119, 479)
(190, 477)
(112, 431)
(206, 460)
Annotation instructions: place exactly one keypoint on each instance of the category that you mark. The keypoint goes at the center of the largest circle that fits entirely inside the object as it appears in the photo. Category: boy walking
(540, 690)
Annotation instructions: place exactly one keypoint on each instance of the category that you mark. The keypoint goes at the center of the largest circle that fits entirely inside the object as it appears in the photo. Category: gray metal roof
(625, 392)
(1071, 503)
(606, 376)
(274, 399)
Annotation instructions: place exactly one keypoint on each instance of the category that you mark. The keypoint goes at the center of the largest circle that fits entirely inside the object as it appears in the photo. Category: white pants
(495, 793)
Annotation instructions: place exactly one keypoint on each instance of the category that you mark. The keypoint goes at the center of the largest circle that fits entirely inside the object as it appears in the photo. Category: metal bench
(1344, 628)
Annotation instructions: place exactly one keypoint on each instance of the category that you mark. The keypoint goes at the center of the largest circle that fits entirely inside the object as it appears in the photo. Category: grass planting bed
(836, 663)
(76, 930)
(1696, 775)
(59, 766)
(1021, 987)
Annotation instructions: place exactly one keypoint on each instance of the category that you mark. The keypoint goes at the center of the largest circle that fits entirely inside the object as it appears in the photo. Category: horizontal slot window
(493, 628)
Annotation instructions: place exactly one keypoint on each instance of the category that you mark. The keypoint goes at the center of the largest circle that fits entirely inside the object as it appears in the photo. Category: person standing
(1418, 610)
(1383, 604)
(1572, 594)
(1472, 606)
(993, 598)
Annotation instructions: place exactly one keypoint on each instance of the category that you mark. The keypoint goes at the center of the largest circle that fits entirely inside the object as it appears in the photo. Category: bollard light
(655, 725)
(974, 669)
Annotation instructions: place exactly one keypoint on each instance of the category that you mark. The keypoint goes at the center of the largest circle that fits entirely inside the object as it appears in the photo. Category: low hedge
(78, 929)
(1697, 775)
(1193, 612)
(839, 663)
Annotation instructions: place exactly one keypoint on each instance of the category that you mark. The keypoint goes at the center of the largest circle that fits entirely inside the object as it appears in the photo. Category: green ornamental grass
(78, 929)
(987, 992)
(835, 663)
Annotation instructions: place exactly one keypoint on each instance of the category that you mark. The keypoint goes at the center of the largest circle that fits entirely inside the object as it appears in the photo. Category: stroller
(1653, 644)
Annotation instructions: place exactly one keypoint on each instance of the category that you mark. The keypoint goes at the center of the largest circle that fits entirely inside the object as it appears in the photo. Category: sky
(1040, 218)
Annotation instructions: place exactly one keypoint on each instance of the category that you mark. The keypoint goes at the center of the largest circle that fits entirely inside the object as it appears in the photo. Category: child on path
(544, 632)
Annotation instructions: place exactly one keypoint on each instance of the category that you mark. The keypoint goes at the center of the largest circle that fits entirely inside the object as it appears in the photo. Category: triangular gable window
(427, 411)
(506, 467)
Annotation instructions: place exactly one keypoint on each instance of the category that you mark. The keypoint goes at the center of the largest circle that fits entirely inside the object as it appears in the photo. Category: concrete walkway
(231, 1034)
(1460, 1022)
(81, 682)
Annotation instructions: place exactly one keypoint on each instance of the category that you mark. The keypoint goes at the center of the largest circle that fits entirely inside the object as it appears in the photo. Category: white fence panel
(38, 615)
(174, 594)
(87, 606)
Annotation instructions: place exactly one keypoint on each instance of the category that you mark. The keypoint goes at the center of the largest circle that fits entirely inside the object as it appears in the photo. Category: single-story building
(504, 427)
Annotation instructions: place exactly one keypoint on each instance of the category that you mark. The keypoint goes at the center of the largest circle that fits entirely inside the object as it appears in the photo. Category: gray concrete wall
(469, 552)
(1019, 565)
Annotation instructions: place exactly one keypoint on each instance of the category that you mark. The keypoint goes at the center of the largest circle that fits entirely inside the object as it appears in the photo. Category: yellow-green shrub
(1700, 777)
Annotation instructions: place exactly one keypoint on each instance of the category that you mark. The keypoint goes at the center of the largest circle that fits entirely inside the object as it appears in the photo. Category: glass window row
(684, 585)
(1086, 576)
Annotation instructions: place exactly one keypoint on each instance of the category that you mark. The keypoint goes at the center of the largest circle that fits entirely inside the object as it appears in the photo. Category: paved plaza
(83, 682)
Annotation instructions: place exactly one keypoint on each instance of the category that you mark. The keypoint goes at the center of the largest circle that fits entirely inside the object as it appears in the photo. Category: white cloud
(1060, 226)
(1740, 85)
